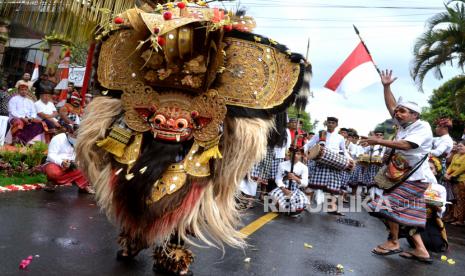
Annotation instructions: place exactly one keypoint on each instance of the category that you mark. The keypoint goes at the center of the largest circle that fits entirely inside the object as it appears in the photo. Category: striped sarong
(404, 205)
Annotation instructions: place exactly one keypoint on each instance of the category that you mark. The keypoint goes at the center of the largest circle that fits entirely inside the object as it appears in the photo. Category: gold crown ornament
(179, 69)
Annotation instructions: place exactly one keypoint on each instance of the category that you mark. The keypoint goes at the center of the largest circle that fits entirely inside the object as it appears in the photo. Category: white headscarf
(409, 104)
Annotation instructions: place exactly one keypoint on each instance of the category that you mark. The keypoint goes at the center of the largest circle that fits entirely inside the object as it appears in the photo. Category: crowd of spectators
(34, 111)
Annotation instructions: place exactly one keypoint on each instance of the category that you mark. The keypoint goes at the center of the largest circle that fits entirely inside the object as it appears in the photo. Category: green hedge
(23, 166)
(22, 179)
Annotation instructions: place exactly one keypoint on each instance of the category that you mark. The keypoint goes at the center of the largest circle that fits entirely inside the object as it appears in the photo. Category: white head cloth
(408, 104)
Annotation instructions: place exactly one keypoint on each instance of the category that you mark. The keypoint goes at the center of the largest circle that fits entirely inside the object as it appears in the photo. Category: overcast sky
(389, 28)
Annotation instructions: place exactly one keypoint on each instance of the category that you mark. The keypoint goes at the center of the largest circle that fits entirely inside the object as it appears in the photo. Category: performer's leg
(173, 258)
(53, 173)
(392, 245)
(130, 246)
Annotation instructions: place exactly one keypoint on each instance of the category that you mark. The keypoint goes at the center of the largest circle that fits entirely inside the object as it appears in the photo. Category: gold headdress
(179, 68)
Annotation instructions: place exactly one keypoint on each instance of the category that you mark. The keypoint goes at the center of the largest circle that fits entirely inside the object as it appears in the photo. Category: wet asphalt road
(71, 237)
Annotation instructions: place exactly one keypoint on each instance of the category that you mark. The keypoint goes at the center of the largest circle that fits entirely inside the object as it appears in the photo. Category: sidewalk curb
(24, 187)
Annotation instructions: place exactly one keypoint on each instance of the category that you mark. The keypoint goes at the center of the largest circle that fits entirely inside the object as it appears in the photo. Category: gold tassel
(116, 141)
(113, 146)
(213, 152)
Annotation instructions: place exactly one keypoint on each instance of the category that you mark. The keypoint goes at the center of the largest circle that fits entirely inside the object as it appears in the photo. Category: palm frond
(442, 43)
(73, 20)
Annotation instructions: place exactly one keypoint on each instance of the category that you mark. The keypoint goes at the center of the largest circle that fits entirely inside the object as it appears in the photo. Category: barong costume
(191, 97)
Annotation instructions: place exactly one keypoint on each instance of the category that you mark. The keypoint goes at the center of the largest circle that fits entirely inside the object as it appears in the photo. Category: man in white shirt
(25, 80)
(333, 140)
(47, 110)
(403, 206)
(324, 177)
(61, 167)
(352, 147)
(443, 143)
(288, 194)
(26, 127)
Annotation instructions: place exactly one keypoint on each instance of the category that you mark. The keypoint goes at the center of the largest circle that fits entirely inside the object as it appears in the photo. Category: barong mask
(199, 95)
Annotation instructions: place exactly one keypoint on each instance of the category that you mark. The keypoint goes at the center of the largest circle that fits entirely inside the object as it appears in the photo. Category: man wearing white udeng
(403, 205)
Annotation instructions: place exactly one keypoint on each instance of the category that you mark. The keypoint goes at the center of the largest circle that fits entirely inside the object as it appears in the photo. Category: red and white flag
(64, 74)
(357, 72)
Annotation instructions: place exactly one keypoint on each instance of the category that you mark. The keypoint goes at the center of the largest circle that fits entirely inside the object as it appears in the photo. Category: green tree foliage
(448, 100)
(388, 127)
(304, 116)
(442, 43)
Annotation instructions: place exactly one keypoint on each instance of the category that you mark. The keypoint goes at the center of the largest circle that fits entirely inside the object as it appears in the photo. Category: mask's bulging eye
(181, 123)
(159, 119)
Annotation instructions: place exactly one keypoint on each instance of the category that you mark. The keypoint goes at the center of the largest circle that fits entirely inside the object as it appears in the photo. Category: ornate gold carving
(256, 75)
(209, 105)
(153, 20)
(192, 81)
(171, 181)
(136, 20)
(138, 95)
(196, 65)
(119, 60)
(192, 163)
(153, 59)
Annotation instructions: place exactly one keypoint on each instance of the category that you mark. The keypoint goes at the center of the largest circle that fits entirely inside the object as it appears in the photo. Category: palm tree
(443, 42)
(68, 20)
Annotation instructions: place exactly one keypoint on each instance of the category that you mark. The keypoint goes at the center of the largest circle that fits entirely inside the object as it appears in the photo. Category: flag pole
(300, 104)
(366, 48)
(308, 49)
